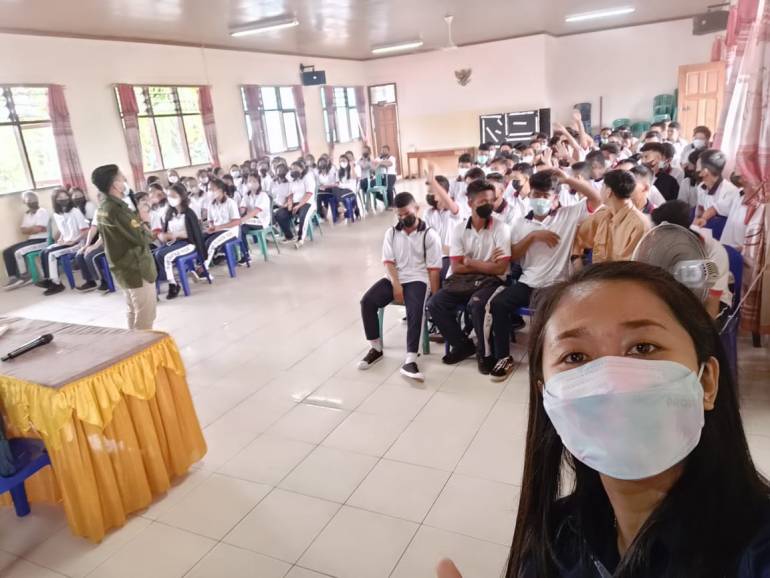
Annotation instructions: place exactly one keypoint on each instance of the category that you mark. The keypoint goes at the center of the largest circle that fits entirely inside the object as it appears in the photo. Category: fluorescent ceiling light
(264, 26)
(600, 14)
(397, 47)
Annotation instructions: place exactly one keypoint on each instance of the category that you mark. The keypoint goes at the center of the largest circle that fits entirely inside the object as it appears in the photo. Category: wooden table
(114, 411)
(420, 156)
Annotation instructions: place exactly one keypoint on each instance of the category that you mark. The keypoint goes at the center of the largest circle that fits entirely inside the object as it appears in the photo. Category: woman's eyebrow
(639, 323)
(572, 333)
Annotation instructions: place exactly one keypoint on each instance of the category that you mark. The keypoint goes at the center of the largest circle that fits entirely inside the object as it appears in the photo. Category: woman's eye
(574, 358)
(643, 349)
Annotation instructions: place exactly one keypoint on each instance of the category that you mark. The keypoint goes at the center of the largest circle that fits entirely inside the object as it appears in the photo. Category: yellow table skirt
(105, 471)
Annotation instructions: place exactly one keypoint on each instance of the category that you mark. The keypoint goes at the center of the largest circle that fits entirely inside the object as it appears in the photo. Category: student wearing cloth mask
(387, 162)
(181, 236)
(461, 191)
(674, 136)
(645, 197)
(596, 160)
(501, 209)
(72, 228)
(34, 225)
(347, 184)
(479, 251)
(457, 186)
(81, 202)
(701, 139)
(224, 220)
(297, 204)
(411, 252)
(517, 193)
(158, 209)
(542, 243)
(86, 257)
(255, 210)
(442, 215)
(365, 172)
(688, 189)
(636, 461)
(172, 177)
(484, 155)
(654, 158)
(716, 195)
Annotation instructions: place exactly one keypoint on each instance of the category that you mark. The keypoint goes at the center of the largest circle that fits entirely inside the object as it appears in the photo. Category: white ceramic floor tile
(474, 558)
(366, 433)
(428, 443)
(20, 535)
(159, 551)
(341, 393)
(307, 423)
(179, 489)
(225, 560)
(283, 525)
(494, 457)
(478, 508)
(400, 490)
(359, 544)
(298, 572)
(396, 401)
(20, 568)
(329, 473)
(267, 460)
(214, 507)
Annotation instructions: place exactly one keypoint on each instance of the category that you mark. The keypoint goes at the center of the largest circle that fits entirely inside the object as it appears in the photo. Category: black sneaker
(44, 284)
(103, 287)
(54, 289)
(502, 369)
(517, 322)
(371, 358)
(173, 291)
(458, 354)
(411, 371)
(485, 365)
(87, 286)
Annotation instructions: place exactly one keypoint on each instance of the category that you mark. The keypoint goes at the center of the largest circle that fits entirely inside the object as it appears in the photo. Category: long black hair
(184, 195)
(56, 207)
(715, 507)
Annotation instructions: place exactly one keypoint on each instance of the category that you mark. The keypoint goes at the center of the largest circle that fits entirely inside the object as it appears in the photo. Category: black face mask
(432, 200)
(64, 205)
(408, 221)
(484, 211)
(79, 203)
(32, 207)
(366, 154)
(263, 171)
(295, 175)
(516, 184)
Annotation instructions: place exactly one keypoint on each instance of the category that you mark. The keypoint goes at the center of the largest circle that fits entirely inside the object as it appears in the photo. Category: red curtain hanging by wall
(331, 116)
(209, 126)
(130, 110)
(257, 142)
(69, 161)
(299, 102)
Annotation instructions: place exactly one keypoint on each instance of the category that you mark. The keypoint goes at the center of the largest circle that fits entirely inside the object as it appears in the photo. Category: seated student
(654, 158)
(542, 243)
(647, 495)
(411, 252)
(716, 195)
(734, 233)
(658, 128)
(158, 209)
(484, 155)
(611, 153)
(347, 184)
(595, 160)
(238, 181)
(458, 185)
(224, 220)
(688, 189)
(387, 162)
(265, 176)
(327, 183)
(181, 236)
(719, 298)
(669, 167)
(498, 165)
(442, 215)
(218, 173)
(297, 203)
(460, 193)
(701, 139)
(365, 171)
(232, 190)
(172, 176)
(203, 182)
(614, 232)
(80, 201)
(674, 136)
(646, 196)
(86, 257)
(194, 196)
(501, 209)
(479, 252)
(255, 210)
(517, 193)
(34, 224)
(71, 228)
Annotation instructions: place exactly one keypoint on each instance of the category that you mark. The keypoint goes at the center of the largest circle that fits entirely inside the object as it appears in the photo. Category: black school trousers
(380, 295)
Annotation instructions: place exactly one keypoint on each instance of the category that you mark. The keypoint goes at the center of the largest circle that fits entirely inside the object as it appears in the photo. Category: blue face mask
(627, 418)
(541, 207)
(482, 159)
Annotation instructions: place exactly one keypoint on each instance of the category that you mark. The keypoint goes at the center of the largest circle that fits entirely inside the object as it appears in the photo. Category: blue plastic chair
(29, 456)
(729, 333)
(184, 265)
(66, 263)
(104, 267)
(232, 248)
(717, 226)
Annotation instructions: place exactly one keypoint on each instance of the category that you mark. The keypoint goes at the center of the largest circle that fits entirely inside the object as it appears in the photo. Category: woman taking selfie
(636, 462)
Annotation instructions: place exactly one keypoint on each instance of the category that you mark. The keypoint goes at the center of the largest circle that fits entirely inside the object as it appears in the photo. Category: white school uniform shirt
(39, 218)
(177, 224)
(197, 205)
(70, 225)
(413, 254)
(267, 182)
(303, 186)
(350, 183)
(721, 200)
(391, 170)
(158, 218)
(472, 244)
(280, 193)
(90, 210)
(544, 265)
(679, 147)
(259, 201)
(506, 213)
(716, 252)
(688, 193)
(222, 213)
(443, 222)
(655, 196)
(329, 179)
(567, 198)
(458, 192)
(734, 234)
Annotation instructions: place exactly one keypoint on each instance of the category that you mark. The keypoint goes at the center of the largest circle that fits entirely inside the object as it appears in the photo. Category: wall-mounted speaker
(714, 21)
(313, 77)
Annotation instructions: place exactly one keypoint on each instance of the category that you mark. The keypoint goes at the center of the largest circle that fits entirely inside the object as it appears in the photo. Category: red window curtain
(209, 126)
(331, 116)
(361, 105)
(69, 161)
(257, 141)
(131, 129)
(299, 102)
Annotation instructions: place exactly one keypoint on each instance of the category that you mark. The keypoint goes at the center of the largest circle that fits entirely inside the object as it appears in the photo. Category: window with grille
(346, 126)
(170, 127)
(29, 159)
(279, 118)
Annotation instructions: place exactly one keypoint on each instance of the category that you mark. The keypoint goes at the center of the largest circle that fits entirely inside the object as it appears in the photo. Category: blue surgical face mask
(627, 418)
(541, 207)
(482, 159)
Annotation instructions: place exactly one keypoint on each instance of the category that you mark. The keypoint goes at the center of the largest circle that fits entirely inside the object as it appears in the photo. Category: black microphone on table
(29, 346)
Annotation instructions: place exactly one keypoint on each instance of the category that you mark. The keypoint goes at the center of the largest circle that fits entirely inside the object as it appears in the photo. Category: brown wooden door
(701, 93)
(385, 124)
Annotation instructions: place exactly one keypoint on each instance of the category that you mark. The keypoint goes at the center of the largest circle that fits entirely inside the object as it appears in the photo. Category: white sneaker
(299, 243)
(372, 357)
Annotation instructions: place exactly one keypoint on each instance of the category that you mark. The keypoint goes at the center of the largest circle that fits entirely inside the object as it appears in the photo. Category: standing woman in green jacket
(127, 239)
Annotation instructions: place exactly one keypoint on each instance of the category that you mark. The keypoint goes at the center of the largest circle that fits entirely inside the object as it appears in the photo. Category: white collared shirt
(413, 254)
(721, 200)
(39, 218)
(222, 213)
(259, 201)
(70, 225)
(734, 233)
(443, 222)
(177, 224)
(300, 188)
(469, 243)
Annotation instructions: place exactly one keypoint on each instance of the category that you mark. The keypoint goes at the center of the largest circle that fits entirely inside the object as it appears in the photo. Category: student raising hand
(447, 569)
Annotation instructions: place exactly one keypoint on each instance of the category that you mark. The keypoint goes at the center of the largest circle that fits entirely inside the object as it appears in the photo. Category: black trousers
(244, 238)
(391, 184)
(445, 262)
(443, 308)
(9, 256)
(87, 263)
(284, 216)
(381, 294)
(503, 308)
